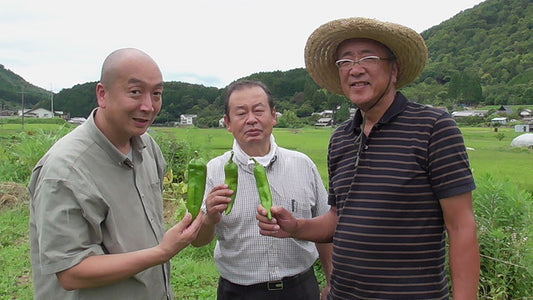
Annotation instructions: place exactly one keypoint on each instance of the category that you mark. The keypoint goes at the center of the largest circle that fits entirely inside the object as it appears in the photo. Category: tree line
(481, 56)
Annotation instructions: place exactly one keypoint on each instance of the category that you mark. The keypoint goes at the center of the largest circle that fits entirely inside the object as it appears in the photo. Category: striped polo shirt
(390, 239)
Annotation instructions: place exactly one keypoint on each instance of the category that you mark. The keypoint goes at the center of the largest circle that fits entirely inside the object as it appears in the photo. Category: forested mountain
(480, 56)
(13, 88)
(489, 45)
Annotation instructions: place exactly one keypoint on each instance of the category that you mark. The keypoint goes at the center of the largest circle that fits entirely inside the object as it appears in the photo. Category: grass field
(490, 155)
(194, 274)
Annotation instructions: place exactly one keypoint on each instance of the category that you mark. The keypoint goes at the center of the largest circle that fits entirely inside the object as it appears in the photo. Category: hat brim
(407, 45)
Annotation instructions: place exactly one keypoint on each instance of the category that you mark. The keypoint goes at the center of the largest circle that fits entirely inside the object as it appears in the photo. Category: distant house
(221, 123)
(77, 120)
(187, 119)
(499, 120)
(39, 113)
(7, 113)
(506, 109)
(523, 128)
(470, 113)
(324, 122)
(324, 114)
(526, 113)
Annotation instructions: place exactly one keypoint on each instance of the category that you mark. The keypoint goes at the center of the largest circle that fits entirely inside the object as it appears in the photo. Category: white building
(39, 113)
(187, 119)
(499, 120)
(523, 128)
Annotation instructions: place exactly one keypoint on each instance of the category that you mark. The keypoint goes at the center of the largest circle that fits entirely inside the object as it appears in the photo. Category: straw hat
(321, 49)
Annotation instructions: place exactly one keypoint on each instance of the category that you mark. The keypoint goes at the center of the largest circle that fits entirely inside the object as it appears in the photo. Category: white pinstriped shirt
(242, 255)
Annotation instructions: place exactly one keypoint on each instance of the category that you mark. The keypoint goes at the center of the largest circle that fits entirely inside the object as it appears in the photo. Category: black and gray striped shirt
(390, 239)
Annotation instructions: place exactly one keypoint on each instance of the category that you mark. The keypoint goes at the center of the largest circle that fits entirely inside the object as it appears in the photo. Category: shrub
(21, 152)
(504, 217)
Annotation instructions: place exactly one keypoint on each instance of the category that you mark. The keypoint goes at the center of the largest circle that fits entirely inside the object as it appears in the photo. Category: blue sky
(57, 44)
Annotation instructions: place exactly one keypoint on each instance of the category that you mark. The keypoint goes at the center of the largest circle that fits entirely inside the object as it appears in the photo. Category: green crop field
(487, 153)
(503, 203)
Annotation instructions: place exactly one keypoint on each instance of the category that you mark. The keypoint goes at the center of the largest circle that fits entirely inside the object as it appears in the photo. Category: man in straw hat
(399, 176)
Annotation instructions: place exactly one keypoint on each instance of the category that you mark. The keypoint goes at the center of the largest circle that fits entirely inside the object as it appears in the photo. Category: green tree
(289, 120)
(343, 113)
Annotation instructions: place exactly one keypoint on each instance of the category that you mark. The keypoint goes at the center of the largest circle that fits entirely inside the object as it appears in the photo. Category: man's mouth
(141, 120)
(253, 131)
(359, 84)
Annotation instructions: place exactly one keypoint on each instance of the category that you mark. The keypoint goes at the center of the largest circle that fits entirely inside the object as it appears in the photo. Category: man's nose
(147, 104)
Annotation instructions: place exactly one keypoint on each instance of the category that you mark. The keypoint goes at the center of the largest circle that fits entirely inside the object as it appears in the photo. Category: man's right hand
(181, 235)
(282, 225)
(216, 203)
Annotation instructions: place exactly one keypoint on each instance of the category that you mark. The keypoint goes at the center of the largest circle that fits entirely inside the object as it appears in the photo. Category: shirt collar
(137, 144)
(397, 106)
(244, 159)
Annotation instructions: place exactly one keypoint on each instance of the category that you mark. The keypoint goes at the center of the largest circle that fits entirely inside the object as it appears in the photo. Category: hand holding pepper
(216, 202)
(282, 225)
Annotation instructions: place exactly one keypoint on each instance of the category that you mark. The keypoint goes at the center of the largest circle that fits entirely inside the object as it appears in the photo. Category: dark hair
(242, 84)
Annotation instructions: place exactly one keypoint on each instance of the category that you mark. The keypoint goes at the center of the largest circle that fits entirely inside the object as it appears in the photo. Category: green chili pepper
(261, 180)
(231, 172)
(197, 172)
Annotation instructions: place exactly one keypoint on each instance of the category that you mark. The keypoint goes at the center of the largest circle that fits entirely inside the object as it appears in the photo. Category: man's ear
(394, 73)
(101, 95)
(227, 122)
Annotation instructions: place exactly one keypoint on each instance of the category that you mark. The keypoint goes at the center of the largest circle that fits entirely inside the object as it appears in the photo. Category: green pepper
(231, 172)
(197, 172)
(261, 180)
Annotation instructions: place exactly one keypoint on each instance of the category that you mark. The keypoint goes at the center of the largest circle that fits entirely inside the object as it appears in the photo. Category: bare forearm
(205, 235)
(464, 264)
(96, 271)
(319, 229)
(325, 251)
(464, 251)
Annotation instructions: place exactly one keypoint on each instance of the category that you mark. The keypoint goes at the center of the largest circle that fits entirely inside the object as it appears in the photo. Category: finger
(187, 219)
(268, 232)
(264, 219)
(261, 210)
(268, 227)
(218, 204)
(219, 187)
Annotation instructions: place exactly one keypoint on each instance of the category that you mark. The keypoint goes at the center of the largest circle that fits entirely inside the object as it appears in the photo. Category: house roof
(323, 120)
(470, 113)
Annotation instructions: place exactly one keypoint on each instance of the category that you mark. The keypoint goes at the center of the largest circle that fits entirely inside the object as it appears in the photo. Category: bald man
(96, 219)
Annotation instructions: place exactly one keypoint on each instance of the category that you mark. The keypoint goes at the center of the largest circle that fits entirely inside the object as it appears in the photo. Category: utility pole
(52, 101)
(22, 100)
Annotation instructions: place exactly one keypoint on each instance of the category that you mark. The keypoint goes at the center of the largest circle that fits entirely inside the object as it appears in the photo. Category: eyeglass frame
(358, 143)
(362, 59)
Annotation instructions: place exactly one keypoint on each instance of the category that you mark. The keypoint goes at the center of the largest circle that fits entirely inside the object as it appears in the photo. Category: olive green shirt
(90, 199)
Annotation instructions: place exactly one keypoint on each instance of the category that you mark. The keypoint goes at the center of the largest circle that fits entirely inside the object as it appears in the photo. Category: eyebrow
(253, 106)
(137, 81)
(351, 53)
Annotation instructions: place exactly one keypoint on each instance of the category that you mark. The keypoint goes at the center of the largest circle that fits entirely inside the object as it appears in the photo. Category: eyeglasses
(365, 62)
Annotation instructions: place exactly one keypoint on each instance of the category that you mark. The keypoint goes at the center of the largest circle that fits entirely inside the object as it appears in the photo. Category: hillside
(13, 87)
(481, 56)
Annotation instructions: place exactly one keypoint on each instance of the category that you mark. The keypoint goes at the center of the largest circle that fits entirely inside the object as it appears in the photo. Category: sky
(56, 44)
